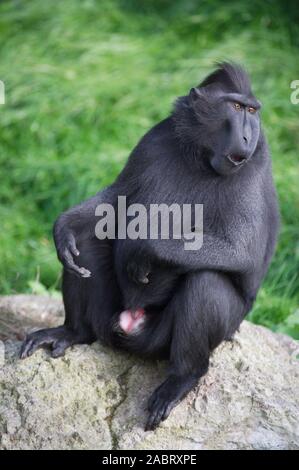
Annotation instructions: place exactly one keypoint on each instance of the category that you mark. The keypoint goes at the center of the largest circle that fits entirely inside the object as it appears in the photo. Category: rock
(95, 398)
(21, 313)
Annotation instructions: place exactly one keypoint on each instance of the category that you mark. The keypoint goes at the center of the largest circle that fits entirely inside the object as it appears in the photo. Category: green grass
(86, 79)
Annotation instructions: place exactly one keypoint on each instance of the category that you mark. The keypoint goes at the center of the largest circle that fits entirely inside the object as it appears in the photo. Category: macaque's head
(223, 119)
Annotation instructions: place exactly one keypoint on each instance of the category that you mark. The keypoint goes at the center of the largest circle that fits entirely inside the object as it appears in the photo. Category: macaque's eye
(237, 106)
(251, 110)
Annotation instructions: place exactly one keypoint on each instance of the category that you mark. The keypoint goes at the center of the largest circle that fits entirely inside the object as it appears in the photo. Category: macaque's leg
(207, 309)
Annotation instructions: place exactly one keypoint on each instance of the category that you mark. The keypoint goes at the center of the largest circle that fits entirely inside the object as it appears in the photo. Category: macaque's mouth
(236, 159)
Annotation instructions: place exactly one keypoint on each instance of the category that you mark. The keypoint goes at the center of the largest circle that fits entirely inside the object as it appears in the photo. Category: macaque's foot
(131, 320)
(55, 339)
(166, 397)
(138, 270)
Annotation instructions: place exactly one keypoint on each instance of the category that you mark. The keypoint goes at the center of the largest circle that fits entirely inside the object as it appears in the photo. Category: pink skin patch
(130, 321)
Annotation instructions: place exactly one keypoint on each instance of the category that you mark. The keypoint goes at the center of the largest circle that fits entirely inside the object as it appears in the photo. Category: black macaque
(153, 297)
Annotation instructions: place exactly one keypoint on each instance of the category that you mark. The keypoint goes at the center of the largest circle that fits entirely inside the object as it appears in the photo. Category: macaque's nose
(247, 135)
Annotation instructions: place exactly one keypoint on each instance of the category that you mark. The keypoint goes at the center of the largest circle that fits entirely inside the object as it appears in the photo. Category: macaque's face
(229, 127)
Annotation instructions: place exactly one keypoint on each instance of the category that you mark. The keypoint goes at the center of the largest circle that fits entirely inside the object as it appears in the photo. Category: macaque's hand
(138, 269)
(66, 250)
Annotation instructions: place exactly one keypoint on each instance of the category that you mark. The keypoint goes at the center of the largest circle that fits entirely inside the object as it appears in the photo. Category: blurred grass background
(86, 79)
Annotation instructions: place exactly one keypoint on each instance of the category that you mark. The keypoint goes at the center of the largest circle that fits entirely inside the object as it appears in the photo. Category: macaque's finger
(138, 273)
(72, 245)
(144, 279)
(71, 266)
(32, 343)
(167, 411)
(159, 410)
(155, 417)
(85, 272)
(59, 348)
(25, 349)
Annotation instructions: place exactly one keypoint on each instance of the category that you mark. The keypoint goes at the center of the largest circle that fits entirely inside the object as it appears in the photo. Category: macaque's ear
(194, 94)
(202, 93)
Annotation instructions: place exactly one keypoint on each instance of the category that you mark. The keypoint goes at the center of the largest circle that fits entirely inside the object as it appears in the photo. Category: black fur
(207, 151)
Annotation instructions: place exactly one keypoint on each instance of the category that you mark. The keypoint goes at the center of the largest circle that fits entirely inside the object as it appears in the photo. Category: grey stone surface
(95, 398)
(21, 313)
